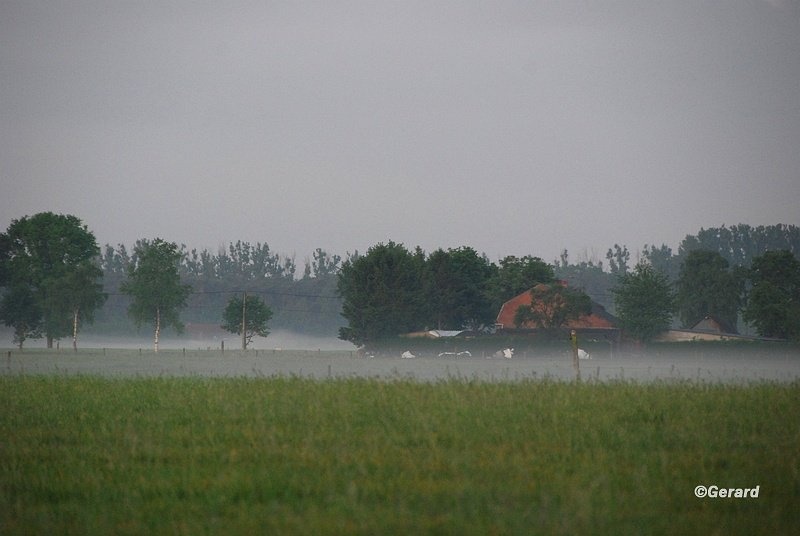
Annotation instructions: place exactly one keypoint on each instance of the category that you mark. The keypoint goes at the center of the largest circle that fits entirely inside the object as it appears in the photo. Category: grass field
(195, 455)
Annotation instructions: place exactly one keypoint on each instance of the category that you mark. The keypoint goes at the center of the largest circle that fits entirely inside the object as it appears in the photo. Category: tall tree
(741, 243)
(242, 262)
(47, 253)
(618, 260)
(587, 276)
(324, 264)
(644, 302)
(662, 260)
(382, 293)
(455, 285)
(515, 275)
(251, 313)
(706, 287)
(773, 305)
(80, 293)
(155, 287)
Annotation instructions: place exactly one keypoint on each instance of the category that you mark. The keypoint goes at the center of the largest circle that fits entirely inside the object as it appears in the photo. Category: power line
(239, 291)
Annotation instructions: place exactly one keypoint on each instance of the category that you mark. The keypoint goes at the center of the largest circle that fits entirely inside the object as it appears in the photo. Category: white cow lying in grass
(508, 353)
(408, 355)
(455, 354)
(583, 354)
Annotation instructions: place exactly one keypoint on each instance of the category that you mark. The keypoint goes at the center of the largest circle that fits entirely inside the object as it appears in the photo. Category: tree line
(306, 303)
(54, 279)
(743, 272)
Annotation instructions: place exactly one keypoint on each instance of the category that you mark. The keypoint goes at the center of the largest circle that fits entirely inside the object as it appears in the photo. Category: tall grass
(290, 455)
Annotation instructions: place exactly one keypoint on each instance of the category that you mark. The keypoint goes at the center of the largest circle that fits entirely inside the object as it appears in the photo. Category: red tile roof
(597, 319)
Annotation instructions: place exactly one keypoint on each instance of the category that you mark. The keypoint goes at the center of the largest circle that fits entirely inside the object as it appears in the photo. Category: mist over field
(282, 339)
(253, 151)
(692, 363)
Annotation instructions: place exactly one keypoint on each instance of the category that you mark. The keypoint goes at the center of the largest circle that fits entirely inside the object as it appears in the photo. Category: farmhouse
(709, 328)
(712, 324)
(597, 323)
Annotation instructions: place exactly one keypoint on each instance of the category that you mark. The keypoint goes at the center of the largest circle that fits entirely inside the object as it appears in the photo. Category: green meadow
(193, 455)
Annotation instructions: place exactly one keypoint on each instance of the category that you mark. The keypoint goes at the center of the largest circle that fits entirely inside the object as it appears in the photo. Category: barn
(598, 322)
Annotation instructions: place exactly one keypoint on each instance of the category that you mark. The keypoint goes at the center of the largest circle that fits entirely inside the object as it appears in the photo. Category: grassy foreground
(287, 455)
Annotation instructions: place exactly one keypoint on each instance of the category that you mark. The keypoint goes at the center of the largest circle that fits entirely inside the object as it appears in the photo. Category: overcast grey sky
(516, 128)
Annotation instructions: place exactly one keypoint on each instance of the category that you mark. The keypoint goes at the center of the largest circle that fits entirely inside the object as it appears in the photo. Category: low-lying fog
(781, 365)
(282, 339)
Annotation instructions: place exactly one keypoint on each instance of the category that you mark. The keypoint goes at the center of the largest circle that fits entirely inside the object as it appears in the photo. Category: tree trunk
(75, 329)
(244, 321)
(50, 341)
(573, 336)
(158, 329)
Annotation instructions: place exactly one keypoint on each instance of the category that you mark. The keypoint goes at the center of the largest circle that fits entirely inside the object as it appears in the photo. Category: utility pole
(573, 337)
(244, 320)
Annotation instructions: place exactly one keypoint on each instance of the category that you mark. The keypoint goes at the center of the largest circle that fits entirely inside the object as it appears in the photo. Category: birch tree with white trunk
(154, 285)
(50, 281)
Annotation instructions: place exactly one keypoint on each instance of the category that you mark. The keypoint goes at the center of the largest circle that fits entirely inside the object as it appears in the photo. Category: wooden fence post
(573, 336)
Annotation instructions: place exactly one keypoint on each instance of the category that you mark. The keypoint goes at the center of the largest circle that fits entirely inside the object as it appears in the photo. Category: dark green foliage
(455, 287)
(707, 287)
(459, 288)
(256, 313)
(552, 306)
(19, 308)
(382, 293)
(515, 275)
(157, 295)
(645, 302)
(53, 257)
(773, 306)
(79, 293)
(390, 290)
